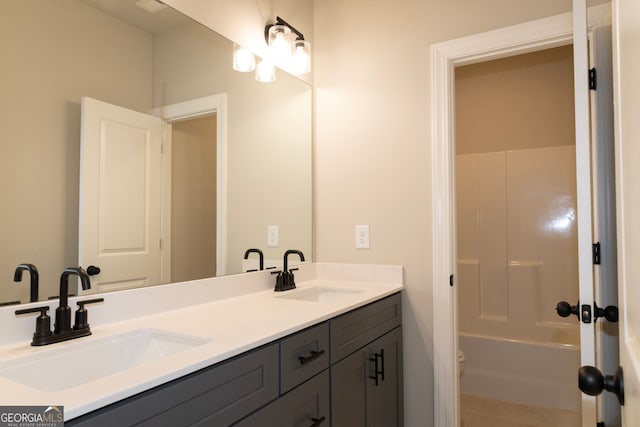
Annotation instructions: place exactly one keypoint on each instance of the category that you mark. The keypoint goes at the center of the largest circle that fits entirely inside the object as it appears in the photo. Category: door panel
(626, 16)
(604, 227)
(120, 195)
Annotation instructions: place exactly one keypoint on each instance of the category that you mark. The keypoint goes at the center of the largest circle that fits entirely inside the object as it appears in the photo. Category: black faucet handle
(43, 322)
(280, 280)
(82, 315)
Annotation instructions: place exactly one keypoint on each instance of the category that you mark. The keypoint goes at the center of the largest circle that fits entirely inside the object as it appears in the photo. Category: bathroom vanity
(326, 353)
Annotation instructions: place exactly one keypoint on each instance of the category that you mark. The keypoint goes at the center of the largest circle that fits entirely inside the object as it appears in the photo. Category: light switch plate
(272, 235)
(362, 236)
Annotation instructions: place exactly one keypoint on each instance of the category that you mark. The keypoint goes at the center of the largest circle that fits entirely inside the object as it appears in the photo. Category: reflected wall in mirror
(55, 53)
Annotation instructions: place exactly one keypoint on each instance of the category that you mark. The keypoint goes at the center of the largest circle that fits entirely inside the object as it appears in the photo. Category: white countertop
(231, 320)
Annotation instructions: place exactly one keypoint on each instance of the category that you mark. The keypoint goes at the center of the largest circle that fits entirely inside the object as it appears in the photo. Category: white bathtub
(537, 374)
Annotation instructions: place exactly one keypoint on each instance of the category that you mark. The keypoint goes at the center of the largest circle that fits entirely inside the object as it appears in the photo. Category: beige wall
(193, 199)
(524, 101)
(41, 84)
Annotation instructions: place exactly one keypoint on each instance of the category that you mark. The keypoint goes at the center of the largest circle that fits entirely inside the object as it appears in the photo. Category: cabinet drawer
(357, 328)
(218, 395)
(303, 355)
(306, 405)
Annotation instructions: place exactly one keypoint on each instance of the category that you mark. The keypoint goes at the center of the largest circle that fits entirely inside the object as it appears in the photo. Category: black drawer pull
(317, 421)
(313, 356)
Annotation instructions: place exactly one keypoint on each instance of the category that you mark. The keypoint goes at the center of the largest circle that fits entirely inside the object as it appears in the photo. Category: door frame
(186, 110)
(531, 36)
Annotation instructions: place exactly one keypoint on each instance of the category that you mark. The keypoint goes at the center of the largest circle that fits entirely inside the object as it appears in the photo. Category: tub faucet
(260, 254)
(33, 273)
(285, 279)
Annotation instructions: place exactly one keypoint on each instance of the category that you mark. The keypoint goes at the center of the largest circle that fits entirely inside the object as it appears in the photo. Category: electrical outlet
(362, 236)
(272, 235)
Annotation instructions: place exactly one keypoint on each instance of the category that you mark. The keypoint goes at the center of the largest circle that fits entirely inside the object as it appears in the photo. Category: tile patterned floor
(484, 412)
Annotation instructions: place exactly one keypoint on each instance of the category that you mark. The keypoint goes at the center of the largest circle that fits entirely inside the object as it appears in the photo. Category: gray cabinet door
(387, 395)
(304, 406)
(361, 397)
(349, 384)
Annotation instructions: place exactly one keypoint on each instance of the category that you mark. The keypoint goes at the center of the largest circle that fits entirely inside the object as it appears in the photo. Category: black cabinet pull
(311, 357)
(317, 421)
(376, 370)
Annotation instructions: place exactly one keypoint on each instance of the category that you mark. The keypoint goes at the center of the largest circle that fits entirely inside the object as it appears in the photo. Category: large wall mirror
(55, 53)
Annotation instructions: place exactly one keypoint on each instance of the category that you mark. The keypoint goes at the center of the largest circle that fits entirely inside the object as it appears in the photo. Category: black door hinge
(593, 79)
(596, 253)
(600, 424)
(451, 280)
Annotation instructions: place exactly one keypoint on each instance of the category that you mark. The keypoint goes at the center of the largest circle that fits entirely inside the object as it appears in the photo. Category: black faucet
(259, 252)
(62, 330)
(285, 279)
(33, 273)
(63, 312)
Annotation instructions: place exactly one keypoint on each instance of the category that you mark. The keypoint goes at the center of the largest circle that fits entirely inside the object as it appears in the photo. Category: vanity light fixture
(243, 59)
(288, 47)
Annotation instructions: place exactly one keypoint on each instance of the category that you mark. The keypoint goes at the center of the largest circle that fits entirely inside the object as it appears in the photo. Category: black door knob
(564, 309)
(592, 382)
(92, 270)
(610, 312)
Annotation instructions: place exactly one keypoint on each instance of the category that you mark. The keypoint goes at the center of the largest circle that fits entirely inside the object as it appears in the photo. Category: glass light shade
(280, 44)
(301, 57)
(243, 59)
(265, 71)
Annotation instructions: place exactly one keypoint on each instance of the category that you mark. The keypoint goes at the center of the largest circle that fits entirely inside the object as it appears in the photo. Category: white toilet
(461, 360)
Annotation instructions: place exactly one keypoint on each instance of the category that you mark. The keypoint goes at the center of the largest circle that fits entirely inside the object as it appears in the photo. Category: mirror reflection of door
(120, 196)
(121, 222)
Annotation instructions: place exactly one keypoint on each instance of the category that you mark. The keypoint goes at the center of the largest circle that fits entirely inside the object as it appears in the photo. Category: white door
(120, 196)
(626, 20)
(584, 213)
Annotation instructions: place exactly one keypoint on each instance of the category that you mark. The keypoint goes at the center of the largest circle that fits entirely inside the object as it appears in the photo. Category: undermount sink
(320, 294)
(80, 362)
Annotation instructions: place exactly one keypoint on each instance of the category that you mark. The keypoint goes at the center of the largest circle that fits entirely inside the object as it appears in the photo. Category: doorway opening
(532, 36)
(516, 238)
(193, 198)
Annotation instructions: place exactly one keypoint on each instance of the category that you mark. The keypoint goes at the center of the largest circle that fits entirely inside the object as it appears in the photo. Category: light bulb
(301, 58)
(265, 71)
(279, 44)
(243, 59)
